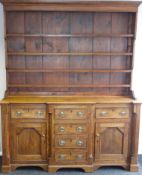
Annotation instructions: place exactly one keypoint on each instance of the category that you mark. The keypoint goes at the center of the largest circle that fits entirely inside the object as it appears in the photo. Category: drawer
(112, 112)
(71, 141)
(71, 128)
(71, 113)
(28, 111)
(75, 156)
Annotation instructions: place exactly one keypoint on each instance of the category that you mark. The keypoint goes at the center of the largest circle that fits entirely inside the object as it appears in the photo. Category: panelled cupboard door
(111, 143)
(29, 141)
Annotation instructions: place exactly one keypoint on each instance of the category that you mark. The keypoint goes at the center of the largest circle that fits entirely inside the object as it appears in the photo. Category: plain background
(137, 73)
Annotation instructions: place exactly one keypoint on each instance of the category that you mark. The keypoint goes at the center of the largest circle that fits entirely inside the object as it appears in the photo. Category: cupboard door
(29, 141)
(111, 142)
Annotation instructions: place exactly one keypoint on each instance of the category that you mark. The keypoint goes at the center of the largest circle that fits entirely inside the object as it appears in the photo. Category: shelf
(64, 71)
(67, 86)
(71, 54)
(72, 35)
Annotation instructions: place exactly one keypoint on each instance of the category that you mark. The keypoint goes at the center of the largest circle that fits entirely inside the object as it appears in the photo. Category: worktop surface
(69, 99)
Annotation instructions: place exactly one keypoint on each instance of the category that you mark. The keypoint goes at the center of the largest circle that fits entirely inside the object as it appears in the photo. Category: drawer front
(71, 129)
(28, 111)
(67, 156)
(71, 142)
(71, 113)
(112, 112)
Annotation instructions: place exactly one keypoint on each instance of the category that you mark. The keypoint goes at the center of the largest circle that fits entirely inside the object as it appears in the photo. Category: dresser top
(70, 1)
(72, 5)
(69, 99)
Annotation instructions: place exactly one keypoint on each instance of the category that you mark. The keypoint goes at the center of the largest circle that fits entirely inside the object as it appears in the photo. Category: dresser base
(82, 128)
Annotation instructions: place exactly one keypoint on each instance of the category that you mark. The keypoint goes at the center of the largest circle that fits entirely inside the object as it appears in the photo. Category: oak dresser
(68, 102)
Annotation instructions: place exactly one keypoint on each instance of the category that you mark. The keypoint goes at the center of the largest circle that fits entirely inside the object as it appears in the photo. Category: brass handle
(122, 113)
(79, 156)
(39, 113)
(61, 114)
(79, 142)
(104, 113)
(62, 142)
(62, 156)
(97, 135)
(80, 114)
(62, 129)
(90, 156)
(80, 129)
(18, 113)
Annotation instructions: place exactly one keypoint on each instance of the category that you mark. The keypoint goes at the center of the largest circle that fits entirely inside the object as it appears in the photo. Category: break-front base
(55, 168)
(70, 132)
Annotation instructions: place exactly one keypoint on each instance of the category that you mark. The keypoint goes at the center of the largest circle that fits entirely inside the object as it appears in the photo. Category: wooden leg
(88, 169)
(44, 167)
(52, 169)
(14, 167)
(6, 169)
(96, 167)
(134, 167)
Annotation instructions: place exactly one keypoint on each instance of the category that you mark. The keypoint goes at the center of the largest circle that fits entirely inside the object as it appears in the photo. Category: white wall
(2, 64)
(2, 55)
(137, 75)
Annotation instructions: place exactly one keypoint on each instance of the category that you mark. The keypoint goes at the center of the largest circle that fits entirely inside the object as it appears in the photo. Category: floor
(101, 171)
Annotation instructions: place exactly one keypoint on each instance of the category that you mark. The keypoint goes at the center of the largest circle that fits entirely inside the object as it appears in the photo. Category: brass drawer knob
(122, 113)
(97, 135)
(18, 113)
(79, 142)
(62, 129)
(62, 156)
(80, 129)
(61, 114)
(103, 113)
(90, 156)
(79, 156)
(39, 113)
(80, 114)
(61, 142)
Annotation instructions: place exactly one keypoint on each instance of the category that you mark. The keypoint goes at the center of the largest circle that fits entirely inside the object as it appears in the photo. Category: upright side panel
(6, 158)
(135, 137)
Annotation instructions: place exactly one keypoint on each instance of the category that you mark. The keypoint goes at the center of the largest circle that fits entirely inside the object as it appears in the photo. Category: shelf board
(72, 35)
(71, 54)
(67, 71)
(68, 86)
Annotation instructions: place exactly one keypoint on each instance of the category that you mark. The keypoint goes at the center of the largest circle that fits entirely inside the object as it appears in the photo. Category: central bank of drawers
(71, 126)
